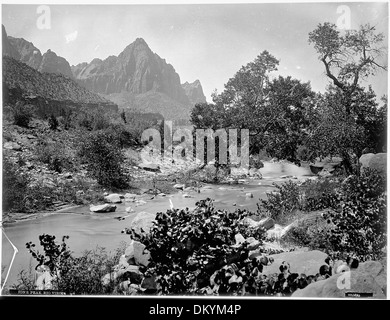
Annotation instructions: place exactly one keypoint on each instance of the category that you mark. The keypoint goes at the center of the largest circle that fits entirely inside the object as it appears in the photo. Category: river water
(86, 230)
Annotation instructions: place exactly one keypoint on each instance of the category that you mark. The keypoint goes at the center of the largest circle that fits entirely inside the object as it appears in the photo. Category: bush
(101, 152)
(255, 162)
(360, 222)
(70, 274)
(319, 194)
(311, 195)
(54, 155)
(92, 119)
(53, 122)
(188, 247)
(22, 114)
(282, 202)
(14, 187)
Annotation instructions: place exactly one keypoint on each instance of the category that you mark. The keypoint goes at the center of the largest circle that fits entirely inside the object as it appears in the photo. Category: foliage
(14, 187)
(275, 112)
(349, 56)
(53, 122)
(54, 154)
(187, 247)
(360, 225)
(22, 114)
(92, 119)
(319, 194)
(348, 119)
(282, 202)
(308, 196)
(101, 152)
(73, 275)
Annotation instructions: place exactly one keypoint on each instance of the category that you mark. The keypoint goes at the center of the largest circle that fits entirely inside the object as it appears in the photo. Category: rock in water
(113, 198)
(179, 186)
(149, 167)
(143, 220)
(352, 283)
(103, 208)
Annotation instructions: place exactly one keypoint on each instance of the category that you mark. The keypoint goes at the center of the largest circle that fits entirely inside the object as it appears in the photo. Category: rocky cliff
(8, 49)
(22, 82)
(25, 51)
(194, 92)
(136, 70)
(28, 53)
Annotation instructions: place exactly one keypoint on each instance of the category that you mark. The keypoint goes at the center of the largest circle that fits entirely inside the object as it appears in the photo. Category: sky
(209, 42)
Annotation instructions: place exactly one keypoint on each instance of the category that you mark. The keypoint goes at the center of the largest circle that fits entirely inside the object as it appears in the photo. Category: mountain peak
(194, 92)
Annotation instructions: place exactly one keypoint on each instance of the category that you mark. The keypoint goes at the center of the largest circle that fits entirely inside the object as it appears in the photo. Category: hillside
(25, 82)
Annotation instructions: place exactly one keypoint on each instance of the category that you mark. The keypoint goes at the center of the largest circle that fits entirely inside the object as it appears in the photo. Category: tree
(273, 110)
(348, 58)
(348, 119)
(101, 152)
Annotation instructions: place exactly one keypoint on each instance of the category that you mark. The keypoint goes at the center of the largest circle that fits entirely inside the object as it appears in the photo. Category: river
(86, 230)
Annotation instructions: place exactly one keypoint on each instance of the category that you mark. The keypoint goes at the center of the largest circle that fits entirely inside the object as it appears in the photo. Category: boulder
(113, 198)
(347, 284)
(103, 208)
(12, 146)
(142, 220)
(249, 195)
(130, 197)
(266, 223)
(149, 167)
(308, 262)
(179, 186)
(129, 210)
(136, 252)
(374, 161)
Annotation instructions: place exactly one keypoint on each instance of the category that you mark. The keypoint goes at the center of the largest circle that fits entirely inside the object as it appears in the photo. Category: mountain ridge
(137, 70)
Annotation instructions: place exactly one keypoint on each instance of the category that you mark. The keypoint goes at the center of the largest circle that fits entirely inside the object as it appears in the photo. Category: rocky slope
(25, 51)
(22, 82)
(194, 92)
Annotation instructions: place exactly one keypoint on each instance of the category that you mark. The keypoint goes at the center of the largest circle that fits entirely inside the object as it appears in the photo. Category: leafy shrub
(255, 162)
(54, 154)
(360, 224)
(187, 247)
(313, 236)
(92, 119)
(14, 187)
(282, 202)
(22, 114)
(309, 196)
(73, 275)
(101, 152)
(53, 122)
(319, 194)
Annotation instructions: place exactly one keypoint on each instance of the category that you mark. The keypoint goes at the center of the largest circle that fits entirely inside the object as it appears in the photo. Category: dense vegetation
(289, 121)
